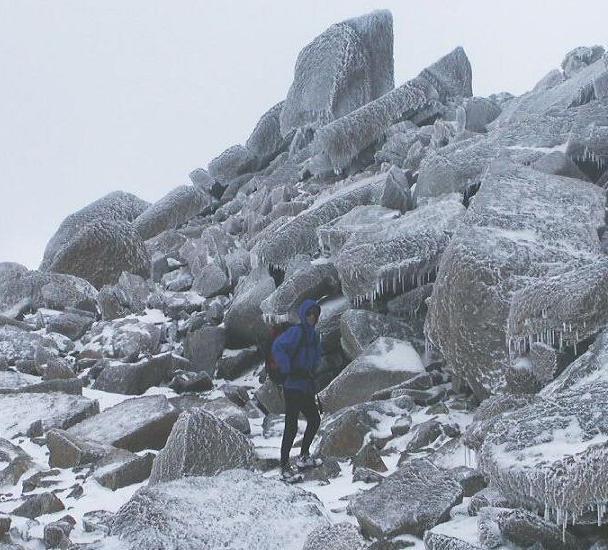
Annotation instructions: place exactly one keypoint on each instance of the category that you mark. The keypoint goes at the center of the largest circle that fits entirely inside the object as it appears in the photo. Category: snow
(395, 355)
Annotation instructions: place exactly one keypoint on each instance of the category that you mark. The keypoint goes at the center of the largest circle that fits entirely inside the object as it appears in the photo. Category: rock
(56, 533)
(134, 424)
(124, 339)
(579, 58)
(39, 480)
(487, 497)
(101, 252)
(415, 498)
(191, 382)
(58, 368)
(384, 363)
(72, 386)
(347, 66)
(553, 78)
(266, 141)
(38, 505)
(135, 378)
(366, 475)
(243, 320)
(402, 425)
(53, 410)
(560, 165)
(226, 410)
(19, 462)
(460, 533)
(68, 451)
(480, 111)
(423, 435)
(203, 347)
(339, 536)
(233, 162)
(5, 525)
(178, 281)
(470, 479)
(154, 517)
(11, 381)
(211, 281)
(175, 208)
(97, 520)
(483, 239)
(121, 468)
(201, 444)
(17, 344)
(70, 324)
(237, 394)
(368, 457)
(234, 365)
(270, 398)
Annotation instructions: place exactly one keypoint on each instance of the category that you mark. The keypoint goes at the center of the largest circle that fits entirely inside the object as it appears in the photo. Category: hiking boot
(289, 474)
(307, 461)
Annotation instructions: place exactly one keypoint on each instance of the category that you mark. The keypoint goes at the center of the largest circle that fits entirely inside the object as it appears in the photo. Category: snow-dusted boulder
(52, 410)
(72, 324)
(116, 206)
(501, 248)
(226, 410)
(243, 320)
(120, 468)
(340, 141)
(212, 246)
(460, 533)
(101, 251)
(203, 347)
(17, 344)
(266, 140)
(339, 536)
(233, 162)
(579, 58)
(342, 69)
(384, 363)
(174, 209)
(401, 254)
(201, 443)
(313, 282)
(415, 498)
(192, 513)
(134, 424)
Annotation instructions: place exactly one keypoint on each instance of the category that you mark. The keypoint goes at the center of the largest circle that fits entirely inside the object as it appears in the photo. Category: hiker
(298, 352)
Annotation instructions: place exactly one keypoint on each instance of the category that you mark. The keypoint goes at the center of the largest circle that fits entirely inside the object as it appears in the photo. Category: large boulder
(174, 209)
(201, 444)
(415, 498)
(101, 251)
(500, 248)
(17, 344)
(203, 347)
(266, 141)
(116, 206)
(192, 513)
(347, 66)
(134, 424)
(339, 536)
(384, 363)
(226, 410)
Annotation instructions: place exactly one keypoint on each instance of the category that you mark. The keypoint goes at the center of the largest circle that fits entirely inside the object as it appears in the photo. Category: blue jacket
(298, 353)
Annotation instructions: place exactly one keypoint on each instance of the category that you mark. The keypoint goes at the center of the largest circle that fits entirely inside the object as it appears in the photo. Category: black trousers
(297, 402)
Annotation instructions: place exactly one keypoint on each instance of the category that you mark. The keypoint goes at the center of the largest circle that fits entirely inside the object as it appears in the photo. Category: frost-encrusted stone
(52, 410)
(233, 162)
(116, 206)
(101, 251)
(384, 363)
(460, 533)
(201, 443)
(314, 282)
(480, 111)
(339, 536)
(135, 424)
(415, 498)
(191, 514)
(224, 409)
(342, 69)
(499, 249)
(174, 209)
(343, 139)
(579, 58)
(266, 140)
(121, 468)
(402, 254)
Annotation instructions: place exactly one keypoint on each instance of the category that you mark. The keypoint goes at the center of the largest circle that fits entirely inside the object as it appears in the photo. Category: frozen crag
(499, 249)
(174, 209)
(342, 69)
(101, 251)
(384, 363)
(192, 514)
(201, 443)
(116, 206)
(402, 254)
(339, 142)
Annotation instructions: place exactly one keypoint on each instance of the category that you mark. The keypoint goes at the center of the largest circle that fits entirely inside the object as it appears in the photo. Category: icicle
(564, 526)
(575, 353)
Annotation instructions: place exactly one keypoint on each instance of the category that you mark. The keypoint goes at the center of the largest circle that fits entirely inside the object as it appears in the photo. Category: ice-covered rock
(233, 162)
(266, 140)
(101, 251)
(579, 58)
(460, 533)
(340, 141)
(134, 424)
(116, 206)
(559, 164)
(480, 111)
(499, 249)
(402, 254)
(174, 209)
(342, 69)
(201, 443)
(415, 498)
(384, 363)
(339, 536)
(192, 513)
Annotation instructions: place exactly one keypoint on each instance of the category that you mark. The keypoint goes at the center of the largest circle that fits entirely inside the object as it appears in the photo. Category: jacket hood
(306, 306)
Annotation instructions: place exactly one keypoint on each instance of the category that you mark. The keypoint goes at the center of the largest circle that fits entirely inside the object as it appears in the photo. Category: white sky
(102, 95)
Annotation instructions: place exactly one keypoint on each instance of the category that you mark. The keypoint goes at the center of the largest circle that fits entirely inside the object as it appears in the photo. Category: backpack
(271, 366)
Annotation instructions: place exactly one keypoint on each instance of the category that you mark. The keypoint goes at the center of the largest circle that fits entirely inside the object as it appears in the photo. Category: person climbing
(298, 352)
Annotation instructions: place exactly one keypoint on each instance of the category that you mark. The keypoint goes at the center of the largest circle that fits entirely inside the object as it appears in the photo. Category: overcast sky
(97, 96)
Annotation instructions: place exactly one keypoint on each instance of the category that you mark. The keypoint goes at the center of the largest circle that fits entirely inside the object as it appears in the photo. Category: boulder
(184, 382)
(224, 409)
(231, 366)
(579, 58)
(211, 281)
(72, 324)
(101, 251)
(203, 347)
(384, 363)
(58, 368)
(339, 536)
(17, 344)
(121, 468)
(201, 444)
(68, 451)
(270, 398)
(134, 424)
(460, 533)
(415, 498)
(193, 511)
(233, 162)
(38, 505)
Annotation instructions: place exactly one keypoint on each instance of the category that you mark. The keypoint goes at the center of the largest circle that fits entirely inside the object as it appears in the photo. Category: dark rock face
(71, 324)
(415, 498)
(117, 206)
(201, 444)
(121, 468)
(101, 251)
(203, 347)
(192, 513)
(232, 366)
(37, 505)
